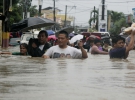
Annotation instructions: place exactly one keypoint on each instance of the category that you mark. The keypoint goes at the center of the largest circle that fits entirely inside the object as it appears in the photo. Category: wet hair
(64, 32)
(91, 41)
(24, 45)
(97, 41)
(116, 39)
(43, 31)
(107, 42)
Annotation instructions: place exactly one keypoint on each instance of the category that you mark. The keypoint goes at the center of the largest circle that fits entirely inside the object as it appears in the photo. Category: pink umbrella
(93, 37)
(52, 37)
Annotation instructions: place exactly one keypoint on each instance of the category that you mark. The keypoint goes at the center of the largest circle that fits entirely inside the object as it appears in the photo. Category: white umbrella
(75, 38)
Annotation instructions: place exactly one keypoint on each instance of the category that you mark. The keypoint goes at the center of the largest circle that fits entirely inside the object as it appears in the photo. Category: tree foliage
(116, 29)
(115, 16)
(14, 2)
(33, 11)
(119, 20)
(18, 7)
(94, 19)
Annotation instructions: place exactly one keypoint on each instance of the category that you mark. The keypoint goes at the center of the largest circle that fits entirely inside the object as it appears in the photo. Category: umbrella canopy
(32, 23)
(71, 34)
(53, 37)
(67, 29)
(105, 37)
(92, 37)
(75, 38)
(50, 32)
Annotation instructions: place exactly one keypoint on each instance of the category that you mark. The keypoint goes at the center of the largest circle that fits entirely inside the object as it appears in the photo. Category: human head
(106, 43)
(42, 37)
(23, 48)
(97, 42)
(118, 42)
(63, 39)
(91, 42)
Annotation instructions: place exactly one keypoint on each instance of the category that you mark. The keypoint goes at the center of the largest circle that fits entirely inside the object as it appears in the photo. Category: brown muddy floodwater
(95, 78)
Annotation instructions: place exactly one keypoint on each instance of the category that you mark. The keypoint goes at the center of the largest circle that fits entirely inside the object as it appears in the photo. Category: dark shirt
(117, 53)
(18, 53)
(36, 52)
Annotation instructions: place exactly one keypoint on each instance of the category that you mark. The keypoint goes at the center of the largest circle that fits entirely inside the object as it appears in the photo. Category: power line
(81, 11)
(120, 2)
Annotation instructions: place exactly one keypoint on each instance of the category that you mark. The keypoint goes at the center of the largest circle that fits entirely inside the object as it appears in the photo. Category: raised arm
(130, 46)
(84, 53)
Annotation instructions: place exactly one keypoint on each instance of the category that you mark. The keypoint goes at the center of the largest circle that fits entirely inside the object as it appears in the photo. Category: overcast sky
(83, 7)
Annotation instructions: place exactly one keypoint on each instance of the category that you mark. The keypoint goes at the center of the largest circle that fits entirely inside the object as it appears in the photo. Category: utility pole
(74, 22)
(65, 16)
(4, 15)
(40, 6)
(5, 38)
(54, 12)
(25, 9)
(109, 20)
(65, 22)
(103, 8)
(54, 18)
(94, 14)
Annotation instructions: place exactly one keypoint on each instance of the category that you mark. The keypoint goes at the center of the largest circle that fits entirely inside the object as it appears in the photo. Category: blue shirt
(117, 53)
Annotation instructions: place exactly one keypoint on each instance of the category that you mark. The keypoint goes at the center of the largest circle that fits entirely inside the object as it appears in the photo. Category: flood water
(94, 78)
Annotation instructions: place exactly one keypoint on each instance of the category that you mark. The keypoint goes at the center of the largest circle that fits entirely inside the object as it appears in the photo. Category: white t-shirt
(69, 52)
(41, 47)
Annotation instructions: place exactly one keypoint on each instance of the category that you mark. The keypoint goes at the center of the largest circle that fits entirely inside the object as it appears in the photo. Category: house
(60, 18)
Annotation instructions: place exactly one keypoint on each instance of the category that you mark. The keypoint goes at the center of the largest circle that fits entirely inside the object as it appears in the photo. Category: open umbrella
(105, 37)
(67, 29)
(32, 23)
(71, 34)
(94, 37)
(50, 32)
(53, 37)
(75, 38)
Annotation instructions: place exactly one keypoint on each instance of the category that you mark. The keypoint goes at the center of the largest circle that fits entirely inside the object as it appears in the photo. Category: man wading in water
(118, 50)
(62, 50)
(37, 47)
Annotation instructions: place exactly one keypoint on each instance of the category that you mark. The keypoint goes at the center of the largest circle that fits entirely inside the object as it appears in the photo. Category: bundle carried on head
(130, 29)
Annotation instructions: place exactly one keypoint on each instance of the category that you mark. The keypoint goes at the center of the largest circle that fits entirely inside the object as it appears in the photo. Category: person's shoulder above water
(117, 52)
(16, 53)
(19, 53)
(95, 50)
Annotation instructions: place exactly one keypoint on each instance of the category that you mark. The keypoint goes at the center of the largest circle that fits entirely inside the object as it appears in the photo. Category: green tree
(33, 11)
(94, 18)
(14, 2)
(17, 10)
(115, 16)
(116, 29)
(119, 20)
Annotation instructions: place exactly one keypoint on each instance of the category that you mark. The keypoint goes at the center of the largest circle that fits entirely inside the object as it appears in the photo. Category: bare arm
(6, 53)
(45, 56)
(84, 53)
(95, 50)
(130, 46)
